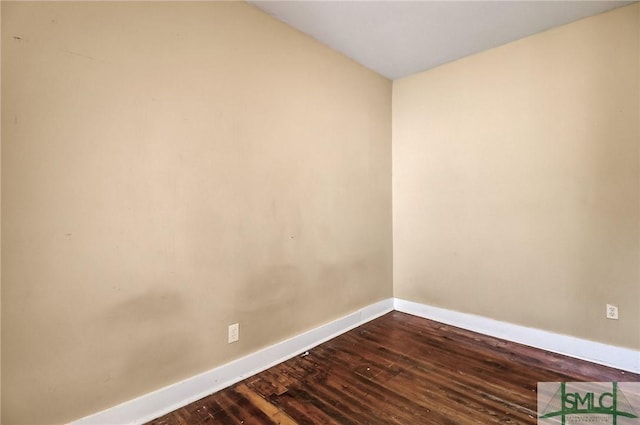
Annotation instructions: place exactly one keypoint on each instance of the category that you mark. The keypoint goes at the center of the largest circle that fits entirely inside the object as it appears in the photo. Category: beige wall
(516, 181)
(169, 169)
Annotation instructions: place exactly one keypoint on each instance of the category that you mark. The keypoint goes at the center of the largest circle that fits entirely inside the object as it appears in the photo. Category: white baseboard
(172, 397)
(595, 352)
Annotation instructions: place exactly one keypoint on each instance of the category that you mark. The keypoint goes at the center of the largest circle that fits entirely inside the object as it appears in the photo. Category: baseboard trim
(155, 404)
(172, 397)
(595, 352)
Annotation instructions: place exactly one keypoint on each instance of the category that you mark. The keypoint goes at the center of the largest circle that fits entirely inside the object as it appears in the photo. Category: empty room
(342, 213)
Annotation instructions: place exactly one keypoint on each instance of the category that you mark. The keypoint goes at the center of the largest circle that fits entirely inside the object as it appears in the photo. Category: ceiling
(399, 38)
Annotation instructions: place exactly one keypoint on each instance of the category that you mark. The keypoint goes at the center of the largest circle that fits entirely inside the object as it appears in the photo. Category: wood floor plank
(274, 414)
(397, 369)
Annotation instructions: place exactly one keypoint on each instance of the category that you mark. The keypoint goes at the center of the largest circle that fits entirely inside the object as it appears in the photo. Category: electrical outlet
(234, 333)
(612, 312)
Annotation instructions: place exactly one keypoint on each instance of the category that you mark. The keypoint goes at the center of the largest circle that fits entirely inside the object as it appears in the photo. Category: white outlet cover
(612, 312)
(234, 333)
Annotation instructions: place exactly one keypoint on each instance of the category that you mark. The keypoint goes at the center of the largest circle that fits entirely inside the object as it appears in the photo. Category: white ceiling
(399, 38)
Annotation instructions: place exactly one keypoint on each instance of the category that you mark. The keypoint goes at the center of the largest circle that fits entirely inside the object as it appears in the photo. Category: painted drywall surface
(638, 123)
(169, 169)
(515, 181)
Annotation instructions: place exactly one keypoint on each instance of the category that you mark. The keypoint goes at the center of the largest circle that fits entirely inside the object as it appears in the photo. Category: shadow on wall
(159, 350)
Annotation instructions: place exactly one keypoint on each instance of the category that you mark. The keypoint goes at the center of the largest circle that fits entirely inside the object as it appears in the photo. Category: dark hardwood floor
(397, 369)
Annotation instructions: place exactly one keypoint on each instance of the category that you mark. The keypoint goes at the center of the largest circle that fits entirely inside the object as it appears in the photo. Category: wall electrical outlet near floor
(612, 312)
(234, 333)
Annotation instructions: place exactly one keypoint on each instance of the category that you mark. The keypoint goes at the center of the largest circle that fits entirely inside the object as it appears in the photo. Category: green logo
(588, 403)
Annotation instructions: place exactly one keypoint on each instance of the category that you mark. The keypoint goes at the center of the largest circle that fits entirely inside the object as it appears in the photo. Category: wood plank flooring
(397, 369)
